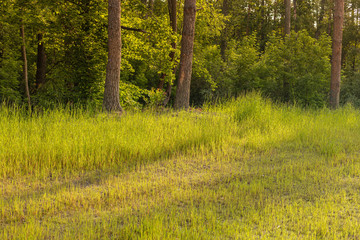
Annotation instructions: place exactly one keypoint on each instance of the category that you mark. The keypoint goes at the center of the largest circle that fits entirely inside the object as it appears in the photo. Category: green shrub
(296, 70)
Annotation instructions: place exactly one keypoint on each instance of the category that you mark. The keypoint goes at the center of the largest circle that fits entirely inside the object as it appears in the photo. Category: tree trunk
(25, 66)
(296, 28)
(41, 62)
(150, 6)
(111, 94)
(336, 54)
(173, 22)
(321, 17)
(329, 23)
(287, 17)
(182, 100)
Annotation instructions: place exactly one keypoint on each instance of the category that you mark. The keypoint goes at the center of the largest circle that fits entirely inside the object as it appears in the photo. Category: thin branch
(134, 29)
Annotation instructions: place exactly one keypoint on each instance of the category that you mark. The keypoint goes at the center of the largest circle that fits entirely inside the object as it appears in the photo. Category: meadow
(242, 169)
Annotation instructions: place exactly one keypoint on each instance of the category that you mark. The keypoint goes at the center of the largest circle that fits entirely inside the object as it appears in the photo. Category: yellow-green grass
(245, 169)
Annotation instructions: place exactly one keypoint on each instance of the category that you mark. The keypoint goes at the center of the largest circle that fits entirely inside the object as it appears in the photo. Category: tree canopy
(239, 46)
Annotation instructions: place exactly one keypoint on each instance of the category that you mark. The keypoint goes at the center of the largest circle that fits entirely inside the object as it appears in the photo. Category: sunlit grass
(245, 169)
(66, 141)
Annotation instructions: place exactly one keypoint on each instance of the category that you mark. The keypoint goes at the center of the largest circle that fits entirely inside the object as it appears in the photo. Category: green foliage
(296, 69)
(147, 52)
(350, 89)
(9, 80)
(243, 58)
(10, 64)
(131, 95)
(156, 98)
(207, 61)
(206, 69)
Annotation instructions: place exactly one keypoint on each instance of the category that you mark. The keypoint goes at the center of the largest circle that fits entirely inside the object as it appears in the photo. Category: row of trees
(72, 46)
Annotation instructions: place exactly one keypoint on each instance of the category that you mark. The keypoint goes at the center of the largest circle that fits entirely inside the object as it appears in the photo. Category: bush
(296, 70)
(350, 89)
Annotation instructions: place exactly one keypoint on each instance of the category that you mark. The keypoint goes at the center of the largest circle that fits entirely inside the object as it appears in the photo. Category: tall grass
(61, 141)
(265, 126)
(64, 140)
(243, 169)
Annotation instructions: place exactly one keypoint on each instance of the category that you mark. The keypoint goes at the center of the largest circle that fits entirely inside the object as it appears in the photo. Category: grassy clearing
(245, 169)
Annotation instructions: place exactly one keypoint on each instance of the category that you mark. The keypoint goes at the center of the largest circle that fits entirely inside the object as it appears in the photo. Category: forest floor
(243, 169)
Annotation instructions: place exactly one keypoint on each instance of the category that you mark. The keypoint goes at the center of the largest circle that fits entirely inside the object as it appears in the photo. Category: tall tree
(336, 54)
(173, 22)
(182, 100)
(111, 94)
(296, 28)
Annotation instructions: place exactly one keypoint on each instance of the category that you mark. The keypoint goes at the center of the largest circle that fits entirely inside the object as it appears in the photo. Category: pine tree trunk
(41, 62)
(173, 22)
(321, 18)
(111, 94)
(296, 28)
(25, 66)
(182, 100)
(336, 54)
(330, 22)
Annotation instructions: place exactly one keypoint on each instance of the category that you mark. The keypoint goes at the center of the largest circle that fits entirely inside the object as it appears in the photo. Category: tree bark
(25, 66)
(41, 62)
(296, 28)
(111, 101)
(321, 18)
(287, 26)
(182, 100)
(336, 54)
